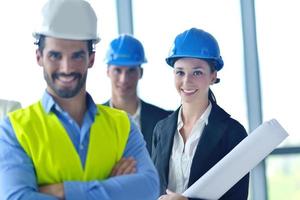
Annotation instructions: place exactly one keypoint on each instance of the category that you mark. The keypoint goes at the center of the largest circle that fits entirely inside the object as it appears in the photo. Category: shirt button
(81, 147)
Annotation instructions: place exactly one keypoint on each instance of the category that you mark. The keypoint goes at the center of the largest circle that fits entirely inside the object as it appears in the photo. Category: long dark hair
(211, 96)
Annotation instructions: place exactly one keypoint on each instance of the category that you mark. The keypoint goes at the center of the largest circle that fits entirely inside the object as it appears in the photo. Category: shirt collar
(49, 104)
(137, 112)
(203, 117)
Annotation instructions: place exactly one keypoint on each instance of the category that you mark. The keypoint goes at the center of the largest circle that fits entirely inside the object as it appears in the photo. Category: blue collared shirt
(17, 173)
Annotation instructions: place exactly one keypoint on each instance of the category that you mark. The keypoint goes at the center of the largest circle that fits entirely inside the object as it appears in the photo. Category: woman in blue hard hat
(199, 133)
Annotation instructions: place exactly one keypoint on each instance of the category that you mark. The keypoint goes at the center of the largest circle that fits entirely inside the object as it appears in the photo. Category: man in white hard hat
(65, 146)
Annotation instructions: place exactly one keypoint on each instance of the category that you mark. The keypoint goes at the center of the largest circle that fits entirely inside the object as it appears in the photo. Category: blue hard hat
(125, 51)
(195, 43)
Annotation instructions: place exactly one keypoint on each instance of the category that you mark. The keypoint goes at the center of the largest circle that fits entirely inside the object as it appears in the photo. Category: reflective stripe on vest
(54, 156)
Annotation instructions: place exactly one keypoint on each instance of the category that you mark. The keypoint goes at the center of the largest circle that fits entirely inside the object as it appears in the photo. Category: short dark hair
(40, 42)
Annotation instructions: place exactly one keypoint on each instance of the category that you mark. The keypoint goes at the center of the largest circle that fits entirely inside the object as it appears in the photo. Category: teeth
(189, 91)
(66, 78)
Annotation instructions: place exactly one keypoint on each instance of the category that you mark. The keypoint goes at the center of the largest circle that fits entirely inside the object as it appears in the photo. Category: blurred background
(259, 43)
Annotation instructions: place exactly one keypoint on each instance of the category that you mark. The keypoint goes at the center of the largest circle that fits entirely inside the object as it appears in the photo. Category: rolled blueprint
(238, 162)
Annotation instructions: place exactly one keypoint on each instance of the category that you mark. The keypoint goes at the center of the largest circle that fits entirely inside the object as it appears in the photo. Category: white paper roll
(238, 162)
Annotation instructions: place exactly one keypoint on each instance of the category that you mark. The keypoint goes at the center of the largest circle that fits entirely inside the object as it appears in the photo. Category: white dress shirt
(183, 153)
(136, 116)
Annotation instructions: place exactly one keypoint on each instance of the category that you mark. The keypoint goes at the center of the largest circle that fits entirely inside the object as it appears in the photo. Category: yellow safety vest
(54, 156)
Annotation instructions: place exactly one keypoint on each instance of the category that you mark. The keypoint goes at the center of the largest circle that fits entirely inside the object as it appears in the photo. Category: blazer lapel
(212, 134)
(166, 144)
(147, 124)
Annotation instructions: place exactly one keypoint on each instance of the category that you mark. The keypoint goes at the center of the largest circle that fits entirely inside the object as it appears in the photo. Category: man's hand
(124, 166)
(56, 190)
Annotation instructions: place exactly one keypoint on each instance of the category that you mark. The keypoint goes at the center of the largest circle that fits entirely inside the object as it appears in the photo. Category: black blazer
(150, 115)
(219, 136)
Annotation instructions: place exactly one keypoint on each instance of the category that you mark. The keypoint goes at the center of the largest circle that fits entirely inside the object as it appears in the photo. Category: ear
(91, 60)
(213, 77)
(39, 57)
(141, 72)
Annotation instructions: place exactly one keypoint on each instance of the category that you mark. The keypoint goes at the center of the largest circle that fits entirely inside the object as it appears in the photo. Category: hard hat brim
(36, 35)
(126, 64)
(172, 59)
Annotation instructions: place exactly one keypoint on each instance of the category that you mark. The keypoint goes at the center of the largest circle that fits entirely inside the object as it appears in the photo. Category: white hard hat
(68, 19)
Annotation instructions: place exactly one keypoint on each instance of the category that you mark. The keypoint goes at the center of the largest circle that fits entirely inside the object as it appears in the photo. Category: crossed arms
(18, 179)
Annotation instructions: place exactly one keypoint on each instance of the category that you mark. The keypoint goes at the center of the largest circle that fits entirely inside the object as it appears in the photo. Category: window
(283, 176)
(278, 43)
(278, 40)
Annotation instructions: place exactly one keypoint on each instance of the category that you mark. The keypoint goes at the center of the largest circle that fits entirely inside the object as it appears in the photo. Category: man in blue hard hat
(124, 58)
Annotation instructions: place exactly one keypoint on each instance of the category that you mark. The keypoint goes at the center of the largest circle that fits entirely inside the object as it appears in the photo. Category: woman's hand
(172, 196)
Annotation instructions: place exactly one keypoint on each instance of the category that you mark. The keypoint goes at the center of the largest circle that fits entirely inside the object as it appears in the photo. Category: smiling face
(192, 79)
(124, 80)
(65, 64)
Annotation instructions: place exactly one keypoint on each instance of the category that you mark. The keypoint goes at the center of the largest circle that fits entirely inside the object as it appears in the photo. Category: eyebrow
(76, 52)
(54, 52)
(79, 52)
